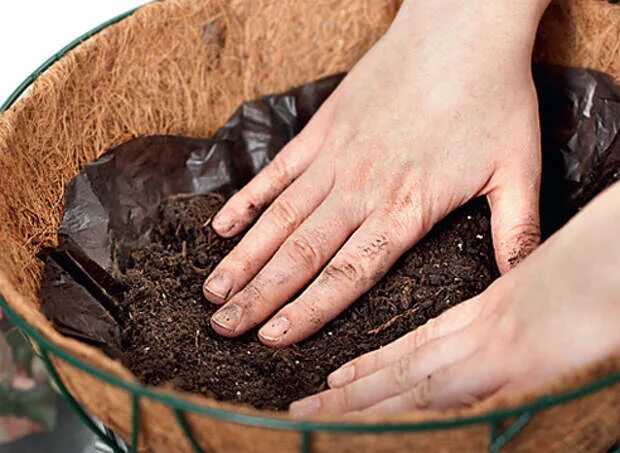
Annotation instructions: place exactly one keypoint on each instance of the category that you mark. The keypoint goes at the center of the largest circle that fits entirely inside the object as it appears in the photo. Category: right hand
(559, 310)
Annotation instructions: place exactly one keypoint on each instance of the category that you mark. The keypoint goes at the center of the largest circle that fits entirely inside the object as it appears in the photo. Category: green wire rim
(522, 413)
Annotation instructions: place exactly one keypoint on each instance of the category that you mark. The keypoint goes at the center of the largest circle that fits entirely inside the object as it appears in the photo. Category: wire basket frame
(503, 424)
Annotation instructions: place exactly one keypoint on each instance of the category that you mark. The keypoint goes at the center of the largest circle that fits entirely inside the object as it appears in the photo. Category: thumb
(515, 220)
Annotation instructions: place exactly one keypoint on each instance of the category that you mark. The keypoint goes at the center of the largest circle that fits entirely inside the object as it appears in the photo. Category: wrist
(526, 12)
(506, 23)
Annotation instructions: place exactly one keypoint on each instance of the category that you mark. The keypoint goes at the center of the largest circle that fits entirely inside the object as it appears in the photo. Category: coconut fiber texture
(181, 68)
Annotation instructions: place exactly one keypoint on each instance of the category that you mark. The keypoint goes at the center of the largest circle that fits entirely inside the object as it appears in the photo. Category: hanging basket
(182, 67)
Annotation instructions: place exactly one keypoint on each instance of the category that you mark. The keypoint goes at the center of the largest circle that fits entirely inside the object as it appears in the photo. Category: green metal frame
(50, 352)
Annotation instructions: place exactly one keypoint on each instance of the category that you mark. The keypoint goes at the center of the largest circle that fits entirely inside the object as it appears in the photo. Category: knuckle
(361, 365)
(309, 313)
(366, 265)
(237, 261)
(365, 364)
(335, 399)
(345, 270)
(306, 250)
(347, 397)
(279, 172)
(252, 294)
(378, 245)
(253, 205)
(420, 336)
(400, 372)
(285, 214)
(251, 199)
(245, 205)
(420, 395)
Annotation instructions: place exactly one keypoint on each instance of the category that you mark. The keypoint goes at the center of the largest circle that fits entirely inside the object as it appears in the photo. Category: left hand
(430, 118)
(555, 312)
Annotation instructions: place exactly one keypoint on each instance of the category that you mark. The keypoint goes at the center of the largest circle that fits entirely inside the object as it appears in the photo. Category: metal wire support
(306, 442)
(499, 440)
(101, 434)
(180, 415)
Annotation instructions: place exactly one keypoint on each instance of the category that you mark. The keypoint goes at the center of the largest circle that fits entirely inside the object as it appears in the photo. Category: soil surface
(168, 339)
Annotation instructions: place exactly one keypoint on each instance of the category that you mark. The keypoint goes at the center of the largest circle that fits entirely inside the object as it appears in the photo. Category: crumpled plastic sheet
(110, 206)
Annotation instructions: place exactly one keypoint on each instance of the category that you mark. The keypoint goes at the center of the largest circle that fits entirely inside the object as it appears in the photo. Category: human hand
(441, 110)
(557, 311)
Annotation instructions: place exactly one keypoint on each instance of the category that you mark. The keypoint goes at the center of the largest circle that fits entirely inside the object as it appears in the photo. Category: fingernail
(222, 223)
(228, 317)
(341, 376)
(219, 285)
(307, 406)
(275, 330)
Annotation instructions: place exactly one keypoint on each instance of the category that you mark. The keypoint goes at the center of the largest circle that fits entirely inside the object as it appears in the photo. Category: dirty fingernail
(307, 406)
(219, 285)
(274, 330)
(341, 377)
(222, 223)
(228, 317)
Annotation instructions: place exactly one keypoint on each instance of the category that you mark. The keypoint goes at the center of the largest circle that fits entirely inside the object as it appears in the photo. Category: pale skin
(427, 120)
(441, 110)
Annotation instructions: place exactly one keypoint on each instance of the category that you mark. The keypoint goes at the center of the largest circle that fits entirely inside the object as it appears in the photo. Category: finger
(286, 213)
(361, 262)
(460, 384)
(395, 379)
(297, 261)
(515, 219)
(243, 207)
(453, 320)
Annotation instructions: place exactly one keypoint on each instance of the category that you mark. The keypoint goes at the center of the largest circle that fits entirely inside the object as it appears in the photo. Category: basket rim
(173, 401)
(264, 421)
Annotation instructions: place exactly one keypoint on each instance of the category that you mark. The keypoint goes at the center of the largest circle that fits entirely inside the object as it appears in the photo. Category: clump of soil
(168, 338)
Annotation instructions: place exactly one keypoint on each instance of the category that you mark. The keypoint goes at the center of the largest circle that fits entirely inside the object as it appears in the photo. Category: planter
(182, 67)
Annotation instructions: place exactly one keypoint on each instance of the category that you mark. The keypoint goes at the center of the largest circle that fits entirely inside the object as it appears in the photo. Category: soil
(168, 339)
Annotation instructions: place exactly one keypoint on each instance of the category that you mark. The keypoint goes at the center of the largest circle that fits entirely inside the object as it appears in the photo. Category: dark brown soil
(168, 338)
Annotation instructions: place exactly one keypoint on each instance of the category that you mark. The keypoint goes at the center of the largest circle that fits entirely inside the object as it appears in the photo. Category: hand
(557, 311)
(442, 109)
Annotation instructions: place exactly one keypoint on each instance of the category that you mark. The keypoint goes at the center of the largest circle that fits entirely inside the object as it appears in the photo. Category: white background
(33, 30)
